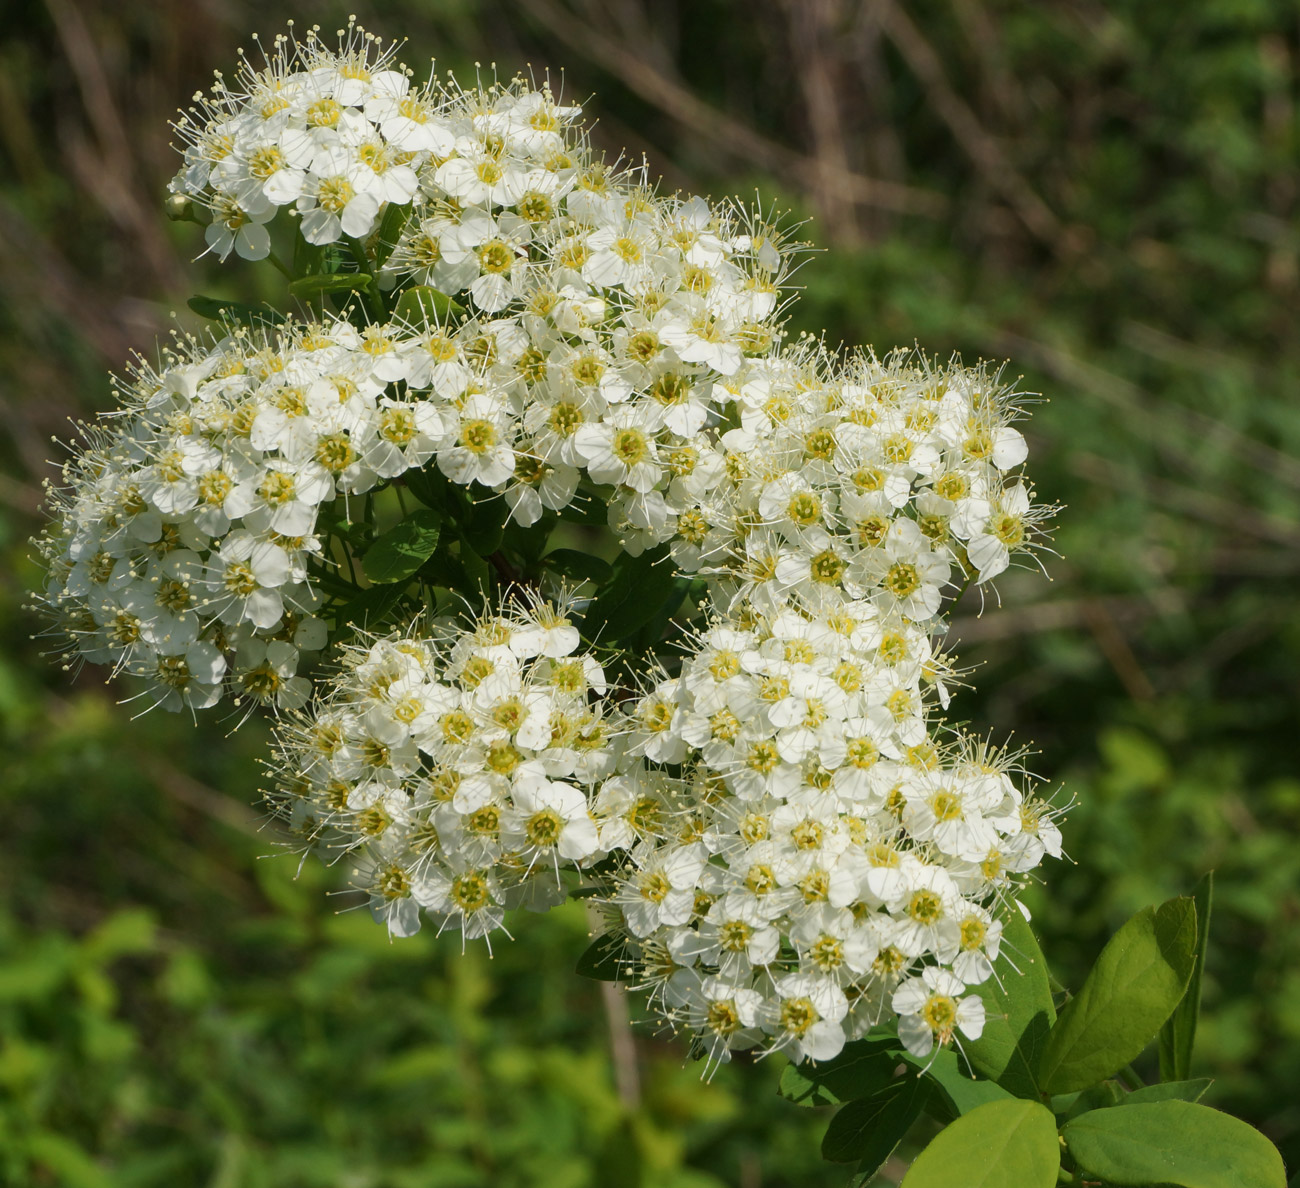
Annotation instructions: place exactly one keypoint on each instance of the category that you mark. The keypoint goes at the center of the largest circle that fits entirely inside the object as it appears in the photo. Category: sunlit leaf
(1133, 988)
(1173, 1142)
(399, 553)
(1178, 1035)
(1018, 1012)
(1004, 1144)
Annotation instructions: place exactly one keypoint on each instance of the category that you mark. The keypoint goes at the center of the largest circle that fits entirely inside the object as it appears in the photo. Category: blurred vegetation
(1103, 192)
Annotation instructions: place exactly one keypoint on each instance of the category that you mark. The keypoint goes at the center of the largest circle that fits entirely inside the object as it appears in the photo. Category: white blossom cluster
(610, 318)
(786, 846)
(454, 768)
(830, 862)
(879, 479)
(184, 529)
(334, 136)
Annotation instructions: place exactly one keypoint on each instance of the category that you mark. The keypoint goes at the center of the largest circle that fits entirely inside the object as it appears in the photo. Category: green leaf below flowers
(1002, 1144)
(421, 304)
(864, 1067)
(604, 959)
(869, 1128)
(399, 553)
(1018, 1012)
(1178, 1035)
(390, 230)
(1192, 1090)
(580, 566)
(1173, 1142)
(957, 1092)
(638, 589)
(368, 610)
(1133, 988)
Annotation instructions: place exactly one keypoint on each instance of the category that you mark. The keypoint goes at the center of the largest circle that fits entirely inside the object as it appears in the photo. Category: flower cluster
(786, 846)
(821, 860)
(878, 479)
(186, 528)
(334, 136)
(454, 767)
(607, 318)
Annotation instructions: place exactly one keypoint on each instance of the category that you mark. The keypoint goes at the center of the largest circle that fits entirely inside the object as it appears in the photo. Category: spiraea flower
(835, 856)
(455, 768)
(769, 814)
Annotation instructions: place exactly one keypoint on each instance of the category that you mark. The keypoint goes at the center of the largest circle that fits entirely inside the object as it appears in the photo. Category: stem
(372, 297)
(280, 265)
(956, 598)
(347, 556)
(509, 574)
(1130, 1078)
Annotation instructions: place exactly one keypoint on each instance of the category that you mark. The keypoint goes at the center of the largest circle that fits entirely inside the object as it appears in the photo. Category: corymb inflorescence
(563, 571)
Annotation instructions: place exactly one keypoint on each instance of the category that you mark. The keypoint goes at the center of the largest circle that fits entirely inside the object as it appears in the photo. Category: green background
(1103, 193)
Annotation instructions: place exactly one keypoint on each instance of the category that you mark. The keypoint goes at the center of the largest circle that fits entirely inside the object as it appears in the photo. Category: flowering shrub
(714, 710)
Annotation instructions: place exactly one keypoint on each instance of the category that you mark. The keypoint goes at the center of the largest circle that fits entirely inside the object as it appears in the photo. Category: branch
(983, 150)
(722, 129)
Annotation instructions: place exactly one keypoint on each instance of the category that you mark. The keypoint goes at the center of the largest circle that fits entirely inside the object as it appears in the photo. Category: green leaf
(638, 589)
(1133, 988)
(236, 311)
(421, 304)
(656, 626)
(72, 1166)
(1004, 1144)
(307, 257)
(799, 1087)
(1178, 1035)
(1169, 1091)
(1173, 1142)
(528, 544)
(428, 486)
(957, 1092)
(585, 509)
(396, 555)
(869, 1128)
(864, 1067)
(1096, 1097)
(578, 565)
(369, 608)
(390, 230)
(1018, 1012)
(482, 523)
(308, 287)
(131, 930)
(604, 959)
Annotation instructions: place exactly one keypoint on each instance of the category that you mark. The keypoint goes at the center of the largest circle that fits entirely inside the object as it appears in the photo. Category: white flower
(240, 226)
(805, 1020)
(551, 818)
(406, 119)
(335, 201)
(725, 1016)
(463, 895)
(662, 891)
(244, 580)
(930, 1008)
(479, 446)
(989, 548)
(622, 448)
